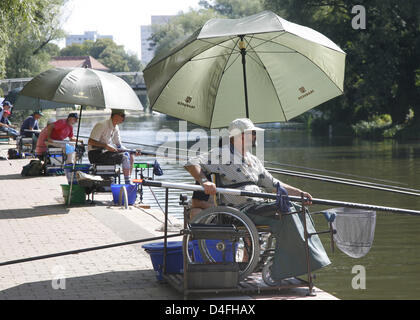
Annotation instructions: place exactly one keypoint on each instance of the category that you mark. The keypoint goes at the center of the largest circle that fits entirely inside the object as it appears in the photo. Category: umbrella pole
(243, 53)
(74, 164)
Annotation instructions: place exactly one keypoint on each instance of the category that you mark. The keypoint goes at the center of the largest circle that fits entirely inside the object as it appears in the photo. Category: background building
(78, 62)
(147, 53)
(88, 35)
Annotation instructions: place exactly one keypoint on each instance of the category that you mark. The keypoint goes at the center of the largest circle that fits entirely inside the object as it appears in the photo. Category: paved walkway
(34, 221)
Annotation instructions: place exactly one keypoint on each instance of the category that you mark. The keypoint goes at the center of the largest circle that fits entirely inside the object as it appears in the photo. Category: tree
(107, 52)
(382, 62)
(233, 8)
(26, 28)
(167, 36)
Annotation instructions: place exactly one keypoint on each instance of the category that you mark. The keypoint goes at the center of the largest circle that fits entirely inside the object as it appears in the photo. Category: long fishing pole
(330, 171)
(237, 192)
(278, 163)
(342, 179)
(59, 254)
(351, 182)
(355, 184)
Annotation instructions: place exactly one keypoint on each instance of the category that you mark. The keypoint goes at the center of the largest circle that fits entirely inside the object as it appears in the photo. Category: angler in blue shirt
(30, 123)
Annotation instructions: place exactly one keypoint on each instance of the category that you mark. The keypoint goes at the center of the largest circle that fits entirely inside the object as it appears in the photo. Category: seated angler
(55, 133)
(244, 171)
(6, 125)
(105, 146)
(6, 105)
(30, 125)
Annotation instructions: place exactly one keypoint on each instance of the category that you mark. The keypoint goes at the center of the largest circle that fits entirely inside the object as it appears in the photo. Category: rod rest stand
(214, 232)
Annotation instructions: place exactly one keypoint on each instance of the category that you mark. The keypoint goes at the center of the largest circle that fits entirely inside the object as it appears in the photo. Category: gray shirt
(232, 169)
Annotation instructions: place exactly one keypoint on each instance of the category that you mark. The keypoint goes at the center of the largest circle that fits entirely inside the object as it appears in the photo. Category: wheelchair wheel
(248, 250)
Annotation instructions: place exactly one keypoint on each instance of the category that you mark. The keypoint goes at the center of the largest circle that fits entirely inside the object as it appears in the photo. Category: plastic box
(174, 257)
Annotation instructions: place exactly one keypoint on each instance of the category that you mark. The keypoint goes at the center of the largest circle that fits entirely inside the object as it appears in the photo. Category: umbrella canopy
(83, 86)
(261, 67)
(21, 102)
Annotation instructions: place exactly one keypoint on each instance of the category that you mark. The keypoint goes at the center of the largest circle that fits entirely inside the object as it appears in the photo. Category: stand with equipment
(222, 277)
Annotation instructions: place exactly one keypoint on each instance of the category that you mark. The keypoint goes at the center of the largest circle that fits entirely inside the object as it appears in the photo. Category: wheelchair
(255, 246)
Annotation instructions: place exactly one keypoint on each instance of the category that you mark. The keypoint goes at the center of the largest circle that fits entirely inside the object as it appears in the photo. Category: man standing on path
(105, 147)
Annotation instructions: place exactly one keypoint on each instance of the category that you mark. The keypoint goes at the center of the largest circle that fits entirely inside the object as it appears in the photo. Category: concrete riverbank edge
(34, 221)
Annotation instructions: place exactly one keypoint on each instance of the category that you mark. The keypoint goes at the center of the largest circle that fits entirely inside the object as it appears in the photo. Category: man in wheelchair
(242, 170)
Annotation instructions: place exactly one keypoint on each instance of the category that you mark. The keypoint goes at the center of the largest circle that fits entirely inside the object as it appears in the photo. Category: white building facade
(88, 35)
(147, 52)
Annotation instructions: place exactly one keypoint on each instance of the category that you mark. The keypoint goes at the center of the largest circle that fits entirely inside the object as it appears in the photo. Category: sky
(121, 19)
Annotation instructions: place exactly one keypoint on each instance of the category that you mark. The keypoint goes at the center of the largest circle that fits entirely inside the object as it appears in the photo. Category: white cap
(239, 126)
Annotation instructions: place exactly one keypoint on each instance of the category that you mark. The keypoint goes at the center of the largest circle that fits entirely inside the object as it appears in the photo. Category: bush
(375, 128)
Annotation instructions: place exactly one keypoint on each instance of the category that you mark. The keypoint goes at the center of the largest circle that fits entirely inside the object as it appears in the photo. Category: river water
(392, 267)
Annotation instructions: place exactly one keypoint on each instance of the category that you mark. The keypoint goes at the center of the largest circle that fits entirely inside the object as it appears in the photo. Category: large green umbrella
(21, 102)
(85, 87)
(261, 67)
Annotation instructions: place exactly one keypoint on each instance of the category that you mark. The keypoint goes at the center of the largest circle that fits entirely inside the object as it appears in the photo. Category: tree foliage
(107, 52)
(26, 31)
(382, 64)
(233, 8)
(167, 36)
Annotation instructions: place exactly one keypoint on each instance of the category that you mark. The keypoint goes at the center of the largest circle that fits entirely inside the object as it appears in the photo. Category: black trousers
(105, 157)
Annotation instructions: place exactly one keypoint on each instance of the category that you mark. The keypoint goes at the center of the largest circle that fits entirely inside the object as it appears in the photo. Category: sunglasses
(253, 132)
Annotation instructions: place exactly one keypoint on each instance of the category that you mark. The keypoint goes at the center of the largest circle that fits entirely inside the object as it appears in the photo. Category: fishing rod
(330, 171)
(350, 182)
(343, 179)
(272, 196)
(280, 164)
(356, 183)
(59, 254)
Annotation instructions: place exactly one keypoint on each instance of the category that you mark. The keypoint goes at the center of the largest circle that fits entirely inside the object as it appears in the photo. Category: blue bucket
(131, 193)
(215, 254)
(174, 258)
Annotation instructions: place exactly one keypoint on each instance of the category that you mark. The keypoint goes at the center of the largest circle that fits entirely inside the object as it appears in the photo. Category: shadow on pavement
(138, 285)
(37, 211)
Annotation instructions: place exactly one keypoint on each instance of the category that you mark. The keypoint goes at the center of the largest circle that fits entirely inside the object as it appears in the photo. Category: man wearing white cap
(240, 170)
(244, 171)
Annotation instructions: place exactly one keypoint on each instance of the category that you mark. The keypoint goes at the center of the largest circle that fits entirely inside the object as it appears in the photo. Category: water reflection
(393, 264)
